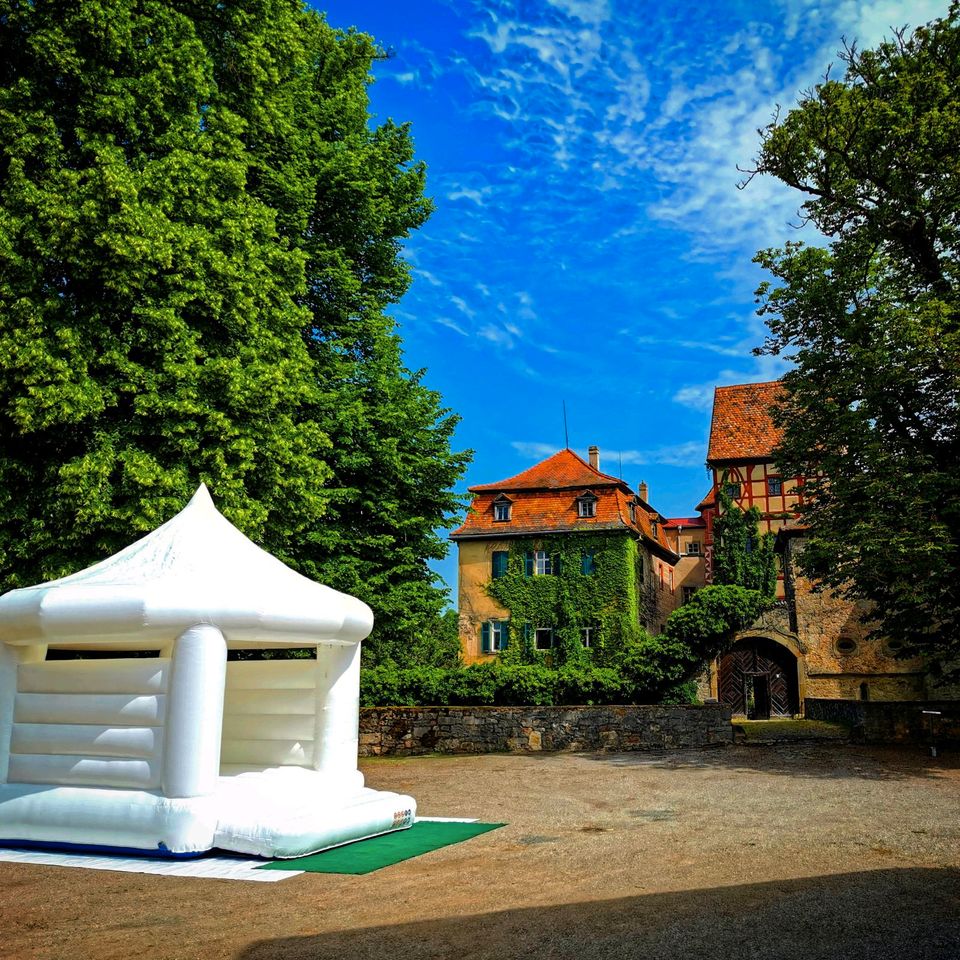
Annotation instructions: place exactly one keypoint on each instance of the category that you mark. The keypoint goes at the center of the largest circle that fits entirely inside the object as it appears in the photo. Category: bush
(636, 680)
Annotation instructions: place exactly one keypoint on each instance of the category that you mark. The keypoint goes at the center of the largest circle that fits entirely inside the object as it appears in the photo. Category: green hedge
(497, 684)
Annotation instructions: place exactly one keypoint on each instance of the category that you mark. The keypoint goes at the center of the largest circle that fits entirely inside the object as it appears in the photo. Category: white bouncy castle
(185, 751)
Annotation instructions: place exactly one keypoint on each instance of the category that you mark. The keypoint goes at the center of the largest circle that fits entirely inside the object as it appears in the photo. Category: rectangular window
(494, 635)
(500, 559)
(587, 563)
(543, 563)
(543, 639)
(588, 635)
(661, 576)
(587, 508)
(501, 512)
(775, 486)
(671, 579)
(693, 548)
(732, 490)
(688, 593)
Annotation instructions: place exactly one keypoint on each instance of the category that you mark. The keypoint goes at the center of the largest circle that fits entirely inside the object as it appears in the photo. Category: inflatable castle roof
(195, 568)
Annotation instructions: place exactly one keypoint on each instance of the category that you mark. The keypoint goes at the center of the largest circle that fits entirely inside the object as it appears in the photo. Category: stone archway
(759, 679)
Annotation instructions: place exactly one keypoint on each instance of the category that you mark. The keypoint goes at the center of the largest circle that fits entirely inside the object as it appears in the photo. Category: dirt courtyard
(782, 852)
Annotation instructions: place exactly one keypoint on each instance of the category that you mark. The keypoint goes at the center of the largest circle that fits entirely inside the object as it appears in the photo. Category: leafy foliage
(511, 684)
(741, 555)
(199, 235)
(623, 664)
(569, 599)
(872, 411)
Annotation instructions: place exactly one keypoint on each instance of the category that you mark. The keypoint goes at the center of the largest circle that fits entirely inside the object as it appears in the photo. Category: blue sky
(590, 245)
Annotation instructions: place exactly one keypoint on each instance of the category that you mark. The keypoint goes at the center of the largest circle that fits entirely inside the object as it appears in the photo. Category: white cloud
(691, 453)
(589, 11)
(451, 325)
(534, 450)
(477, 195)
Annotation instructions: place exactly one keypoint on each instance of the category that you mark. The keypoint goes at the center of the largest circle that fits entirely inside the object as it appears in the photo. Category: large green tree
(871, 411)
(199, 236)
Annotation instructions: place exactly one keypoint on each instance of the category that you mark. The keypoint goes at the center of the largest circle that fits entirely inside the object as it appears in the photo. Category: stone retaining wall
(890, 721)
(388, 731)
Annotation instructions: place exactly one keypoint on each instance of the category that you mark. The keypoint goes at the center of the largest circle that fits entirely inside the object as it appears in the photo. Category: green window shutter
(500, 563)
(586, 563)
(528, 564)
(526, 636)
(556, 565)
(485, 637)
(504, 634)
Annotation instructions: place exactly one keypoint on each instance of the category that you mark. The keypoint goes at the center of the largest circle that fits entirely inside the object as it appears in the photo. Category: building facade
(811, 643)
(561, 559)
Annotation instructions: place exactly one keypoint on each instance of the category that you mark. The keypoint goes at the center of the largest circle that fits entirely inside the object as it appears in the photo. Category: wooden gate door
(748, 661)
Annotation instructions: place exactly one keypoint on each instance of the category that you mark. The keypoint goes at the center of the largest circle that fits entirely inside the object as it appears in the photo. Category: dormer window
(632, 507)
(502, 508)
(587, 505)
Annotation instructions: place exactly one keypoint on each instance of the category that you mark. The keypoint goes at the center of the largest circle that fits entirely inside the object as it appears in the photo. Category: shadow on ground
(811, 760)
(908, 914)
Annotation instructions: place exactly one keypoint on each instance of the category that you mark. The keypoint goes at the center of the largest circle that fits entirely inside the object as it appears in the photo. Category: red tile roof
(674, 523)
(708, 501)
(544, 501)
(742, 428)
(562, 471)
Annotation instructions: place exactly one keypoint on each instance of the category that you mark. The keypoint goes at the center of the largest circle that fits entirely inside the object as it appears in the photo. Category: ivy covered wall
(596, 582)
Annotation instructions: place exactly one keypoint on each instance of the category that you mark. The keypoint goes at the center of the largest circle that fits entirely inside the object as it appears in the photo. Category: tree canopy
(200, 232)
(870, 320)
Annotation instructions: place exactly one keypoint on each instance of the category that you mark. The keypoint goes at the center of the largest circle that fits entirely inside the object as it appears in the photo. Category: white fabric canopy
(196, 568)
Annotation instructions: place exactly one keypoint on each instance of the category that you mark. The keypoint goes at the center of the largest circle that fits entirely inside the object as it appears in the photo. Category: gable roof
(742, 427)
(565, 470)
(710, 500)
(544, 501)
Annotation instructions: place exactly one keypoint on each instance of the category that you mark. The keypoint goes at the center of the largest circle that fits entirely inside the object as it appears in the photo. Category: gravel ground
(802, 851)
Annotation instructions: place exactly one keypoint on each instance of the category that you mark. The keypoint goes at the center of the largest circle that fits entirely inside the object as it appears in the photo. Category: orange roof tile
(562, 471)
(544, 501)
(742, 428)
(708, 501)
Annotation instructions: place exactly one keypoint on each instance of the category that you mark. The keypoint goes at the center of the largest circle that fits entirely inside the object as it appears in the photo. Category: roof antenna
(566, 435)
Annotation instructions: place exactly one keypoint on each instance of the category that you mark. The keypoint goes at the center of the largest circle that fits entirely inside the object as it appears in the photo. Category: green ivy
(568, 599)
(744, 585)
(741, 556)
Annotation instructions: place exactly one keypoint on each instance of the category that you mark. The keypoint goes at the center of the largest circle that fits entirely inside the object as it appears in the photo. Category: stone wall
(889, 721)
(410, 730)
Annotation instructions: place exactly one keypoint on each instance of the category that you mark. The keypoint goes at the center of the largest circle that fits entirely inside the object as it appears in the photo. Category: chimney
(644, 492)
(594, 454)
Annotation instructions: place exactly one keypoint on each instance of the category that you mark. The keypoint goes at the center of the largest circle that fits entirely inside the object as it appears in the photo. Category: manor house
(561, 520)
(564, 549)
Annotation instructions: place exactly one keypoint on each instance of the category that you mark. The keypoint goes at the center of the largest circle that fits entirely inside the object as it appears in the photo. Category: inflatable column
(194, 722)
(336, 734)
(10, 660)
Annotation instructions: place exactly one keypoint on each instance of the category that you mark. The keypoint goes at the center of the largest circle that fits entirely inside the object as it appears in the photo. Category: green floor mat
(365, 856)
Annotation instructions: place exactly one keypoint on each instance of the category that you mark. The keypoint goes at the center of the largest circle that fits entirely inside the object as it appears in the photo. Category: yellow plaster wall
(475, 570)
